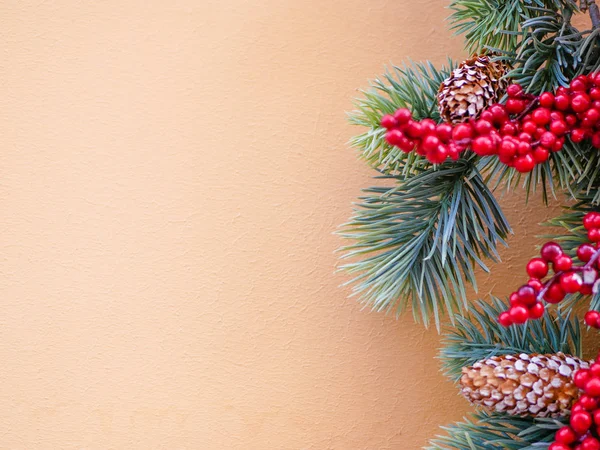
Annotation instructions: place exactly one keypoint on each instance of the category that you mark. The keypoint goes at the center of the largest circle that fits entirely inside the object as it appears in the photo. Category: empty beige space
(171, 174)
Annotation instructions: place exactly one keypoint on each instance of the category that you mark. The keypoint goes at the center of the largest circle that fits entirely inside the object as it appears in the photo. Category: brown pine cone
(521, 385)
(472, 87)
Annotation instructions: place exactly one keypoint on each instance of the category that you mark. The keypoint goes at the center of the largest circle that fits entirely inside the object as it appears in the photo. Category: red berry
(514, 90)
(550, 251)
(589, 403)
(590, 220)
(548, 139)
(414, 129)
(540, 155)
(581, 377)
(590, 443)
(508, 129)
(526, 295)
(402, 116)
(537, 268)
(554, 294)
(541, 116)
(595, 93)
(394, 137)
(558, 446)
(547, 100)
(579, 84)
(581, 421)
(536, 311)
(428, 126)
(596, 140)
(535, 284)
(595, 370)
(523, 147)
(483, 146)
(565, 435)
(438, 155)
(499, 115)
(562, 263)
(577, 135)
(558, 127)
(519, 314)
(444, 132)
(525, 163)
(592, 387)
(594, 235)
(592, 115)
(430, 143)
(388, 121)
(462, 132)
(507, 150)
(483, 127)
(529, 127)
(505, 320)
(559, 144)
(515, 106)
(580, 102)
(562, 102)
(591, 319)
(571, 282)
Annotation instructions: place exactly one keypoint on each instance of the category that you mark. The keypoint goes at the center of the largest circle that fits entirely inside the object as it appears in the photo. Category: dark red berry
(519, 314)
(554, 294)
(585, 252)
(402, 116)
(547, 100)
(505, 320)
(536, 311)
(580, 102)
(571, 282)
(562, 263)
(550, 251)
(537, 268)
(591, 319)
(462, 132)
(541, 116)
(483, 146)
(514, 90)
(565, 435)
(525, 163)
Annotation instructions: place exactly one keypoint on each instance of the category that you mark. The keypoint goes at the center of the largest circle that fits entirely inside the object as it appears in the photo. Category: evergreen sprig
(497, 431)
(479, 336)
(420, 241)
(496, 23)
(413, 85)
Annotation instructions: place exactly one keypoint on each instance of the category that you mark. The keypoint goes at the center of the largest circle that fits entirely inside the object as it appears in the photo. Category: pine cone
(473, 86)
(521, 385)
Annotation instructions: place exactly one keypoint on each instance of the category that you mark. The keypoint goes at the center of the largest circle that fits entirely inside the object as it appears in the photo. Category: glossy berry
(537, 268)
(526, 295)
(590, 443)
(505, 320)
(581, 422)
(592, 387)
(581, 377)
(585, 252)
(519, 314)
(562, 263)
(550, 251)
(591, 318)
(570, 282)
(536, 311)
(565, 435)
(554, 294)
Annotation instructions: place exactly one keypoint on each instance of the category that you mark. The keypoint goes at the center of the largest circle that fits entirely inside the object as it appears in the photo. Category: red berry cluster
(583, 431)
(527, 302)
(522, 132)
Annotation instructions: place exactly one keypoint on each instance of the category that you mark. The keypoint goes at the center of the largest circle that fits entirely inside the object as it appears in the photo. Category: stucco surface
(170, 177)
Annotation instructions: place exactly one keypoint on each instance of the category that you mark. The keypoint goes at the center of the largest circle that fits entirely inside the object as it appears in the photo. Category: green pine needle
(497, 431)
(413, 86)
(479, 336)
(418, 243)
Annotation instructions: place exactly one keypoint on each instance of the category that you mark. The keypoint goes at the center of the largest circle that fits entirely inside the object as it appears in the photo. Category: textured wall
(170, 176)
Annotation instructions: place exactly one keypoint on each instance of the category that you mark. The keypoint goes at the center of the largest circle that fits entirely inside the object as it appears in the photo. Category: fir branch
(497, 23)
(418, 243)
(497, 431)
(414, 86)
(479, 336)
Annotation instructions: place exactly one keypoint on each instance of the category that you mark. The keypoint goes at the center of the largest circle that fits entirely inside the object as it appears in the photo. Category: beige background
(170, 177)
